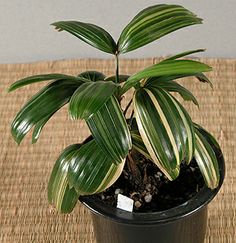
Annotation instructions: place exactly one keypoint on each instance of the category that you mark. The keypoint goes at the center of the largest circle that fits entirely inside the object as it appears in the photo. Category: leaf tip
(200, 20)
(208, 68)
(201, 50)
(214, 185)
(11, 88)
(17, 138)
(73, 116)
(56, 25)
(18, 141)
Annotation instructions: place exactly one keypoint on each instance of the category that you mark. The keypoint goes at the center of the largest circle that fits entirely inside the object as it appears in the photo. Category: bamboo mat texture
(25, 215)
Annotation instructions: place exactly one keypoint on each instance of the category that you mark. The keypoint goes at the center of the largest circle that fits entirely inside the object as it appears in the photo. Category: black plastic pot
(183, 224)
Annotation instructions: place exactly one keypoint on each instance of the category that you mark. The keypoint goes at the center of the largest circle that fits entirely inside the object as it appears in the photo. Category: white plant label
(125, 203)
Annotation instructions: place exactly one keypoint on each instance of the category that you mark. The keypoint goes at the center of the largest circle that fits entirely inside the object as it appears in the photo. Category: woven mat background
(25, 215)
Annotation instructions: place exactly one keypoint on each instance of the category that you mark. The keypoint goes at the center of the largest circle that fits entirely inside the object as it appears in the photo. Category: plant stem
(127, 107)
(117, 68)
(131, 118)
(133, 168)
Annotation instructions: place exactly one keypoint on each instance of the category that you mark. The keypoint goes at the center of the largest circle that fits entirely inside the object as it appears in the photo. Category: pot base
(190, 229)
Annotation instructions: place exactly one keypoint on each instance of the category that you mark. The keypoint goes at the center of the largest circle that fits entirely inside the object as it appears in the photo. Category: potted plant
(155, 149)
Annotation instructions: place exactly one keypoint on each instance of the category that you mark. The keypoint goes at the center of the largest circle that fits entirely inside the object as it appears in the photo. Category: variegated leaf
(38, 128)
(166, 68)
(171, 86)
(138, 144)
(39, 78)
(122, 78)
(200, 76)
(91, 170)
(183, 54)
(210, 139)
(92, 76)
(165, 128)
(206, 160)
(43, 104)
(110, 130)
(62, 196)
(90, 34)
(154, 22)
(90, 97)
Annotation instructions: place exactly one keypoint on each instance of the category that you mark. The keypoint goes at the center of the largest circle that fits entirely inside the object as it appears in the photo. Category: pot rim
(195, 204)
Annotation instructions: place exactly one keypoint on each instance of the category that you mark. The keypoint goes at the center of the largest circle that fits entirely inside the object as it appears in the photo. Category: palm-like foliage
(163, 130)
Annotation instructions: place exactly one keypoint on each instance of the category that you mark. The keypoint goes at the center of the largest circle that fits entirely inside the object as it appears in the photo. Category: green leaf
(166, 129)
(171, 86)
(90, 97)
(89, 33)
(110, 130)
(154, 22)
(92, 76)
(91, 170)
(38, 128)
(39, 78)
(183, 54)
(63, 197)
(122, 78)
(206, 160)
(166, 68)
(138, 144)
(203, 78)
(162, 79)
(200, 76)
(210, 139)
(43, 104)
